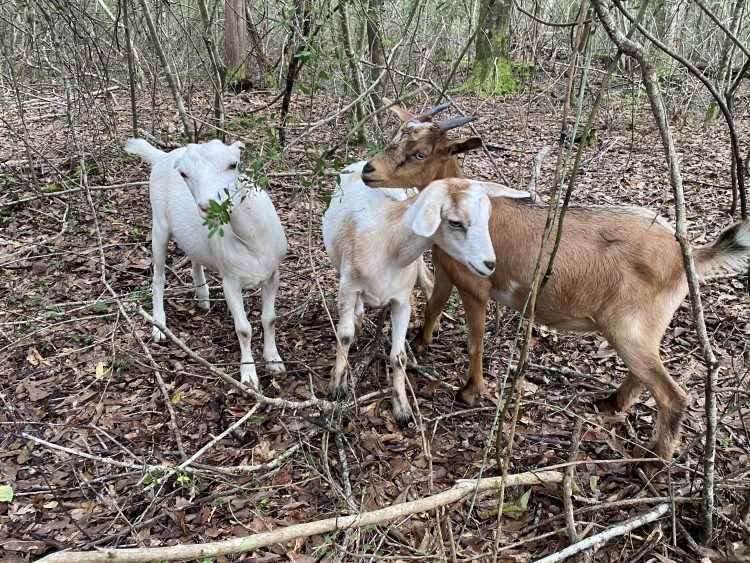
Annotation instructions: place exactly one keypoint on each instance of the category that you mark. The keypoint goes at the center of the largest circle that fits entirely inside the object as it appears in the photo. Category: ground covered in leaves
(90, 447)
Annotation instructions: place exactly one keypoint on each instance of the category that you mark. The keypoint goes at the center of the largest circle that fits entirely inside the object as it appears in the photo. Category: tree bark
(235, 39)
(375, 45)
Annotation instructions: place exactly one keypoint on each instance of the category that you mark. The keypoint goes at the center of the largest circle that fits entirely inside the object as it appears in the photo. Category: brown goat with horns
(618, 270)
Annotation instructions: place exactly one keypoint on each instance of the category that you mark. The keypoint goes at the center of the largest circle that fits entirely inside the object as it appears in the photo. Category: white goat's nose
(490, 264)
(203, 206)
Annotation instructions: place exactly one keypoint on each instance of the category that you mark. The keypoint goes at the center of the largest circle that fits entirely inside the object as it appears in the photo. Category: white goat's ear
(239, 145)
(464, 144)
(498, 190)
(425, 213)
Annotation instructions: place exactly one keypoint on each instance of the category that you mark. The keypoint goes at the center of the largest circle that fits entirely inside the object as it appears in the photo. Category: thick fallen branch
(283, 535)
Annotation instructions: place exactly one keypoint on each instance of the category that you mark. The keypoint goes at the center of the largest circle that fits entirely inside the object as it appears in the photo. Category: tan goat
(618, 270)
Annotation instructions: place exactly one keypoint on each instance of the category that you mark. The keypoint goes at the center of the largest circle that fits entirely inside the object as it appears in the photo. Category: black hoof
(337, 393)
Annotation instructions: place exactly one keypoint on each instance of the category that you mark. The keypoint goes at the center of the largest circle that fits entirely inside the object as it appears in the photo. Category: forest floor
(78, 364)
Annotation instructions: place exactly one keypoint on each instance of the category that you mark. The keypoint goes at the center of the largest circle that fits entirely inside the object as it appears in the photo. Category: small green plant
(190, 484)
(82, 339)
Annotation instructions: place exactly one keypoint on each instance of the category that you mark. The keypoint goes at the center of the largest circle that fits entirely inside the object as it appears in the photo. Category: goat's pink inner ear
(464, 144)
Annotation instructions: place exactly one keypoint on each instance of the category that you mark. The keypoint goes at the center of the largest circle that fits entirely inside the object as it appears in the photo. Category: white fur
(247, 255)
(380, 265)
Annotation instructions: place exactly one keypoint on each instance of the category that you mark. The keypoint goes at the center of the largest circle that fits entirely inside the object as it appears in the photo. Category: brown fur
(617, 270)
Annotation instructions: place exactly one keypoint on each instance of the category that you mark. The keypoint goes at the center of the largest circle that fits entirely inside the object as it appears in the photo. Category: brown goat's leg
(440, 295)
(476, 312)
(642, 358)
(625, 397)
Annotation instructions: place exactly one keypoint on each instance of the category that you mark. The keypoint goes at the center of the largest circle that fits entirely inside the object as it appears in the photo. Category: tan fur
(618, 270)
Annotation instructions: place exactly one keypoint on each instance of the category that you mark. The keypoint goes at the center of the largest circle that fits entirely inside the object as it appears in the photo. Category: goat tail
(730, 251)
(145, 150)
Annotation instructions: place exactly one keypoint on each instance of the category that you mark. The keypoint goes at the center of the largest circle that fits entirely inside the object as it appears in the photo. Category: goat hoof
(418, 343)
(336, 393)
(467, 395)
(607, 404)
(403, 419)
(157, 335)
(204, 306)
(275, 366)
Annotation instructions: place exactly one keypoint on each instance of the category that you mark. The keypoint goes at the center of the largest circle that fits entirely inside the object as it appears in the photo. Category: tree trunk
(235, 40)
(492, 72)
(375, 45)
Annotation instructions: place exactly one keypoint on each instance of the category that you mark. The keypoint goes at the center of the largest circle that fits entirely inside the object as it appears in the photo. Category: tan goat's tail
(730, 251)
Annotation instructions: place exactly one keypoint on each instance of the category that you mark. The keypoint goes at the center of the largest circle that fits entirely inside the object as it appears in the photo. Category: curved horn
(454, 122)
(434, 110)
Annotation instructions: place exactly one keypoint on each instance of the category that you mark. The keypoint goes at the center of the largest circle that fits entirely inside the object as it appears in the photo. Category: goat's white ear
(425, 214)
(239, 145)
(499, 190)
(464, 144)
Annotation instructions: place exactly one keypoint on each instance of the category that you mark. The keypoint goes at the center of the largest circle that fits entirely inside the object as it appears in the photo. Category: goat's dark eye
(420, 155)
(183, 174)
(233, 166)
(456, 224)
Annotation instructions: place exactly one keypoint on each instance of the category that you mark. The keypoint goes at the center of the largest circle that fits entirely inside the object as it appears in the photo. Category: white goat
(376, 237)
(182, 184)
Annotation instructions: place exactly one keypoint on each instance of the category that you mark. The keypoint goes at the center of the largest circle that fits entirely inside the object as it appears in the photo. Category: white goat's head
(421, 151)
(455, 213)
(210, 171)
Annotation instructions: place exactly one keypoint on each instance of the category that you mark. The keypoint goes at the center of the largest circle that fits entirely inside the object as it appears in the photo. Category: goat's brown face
(419, 153)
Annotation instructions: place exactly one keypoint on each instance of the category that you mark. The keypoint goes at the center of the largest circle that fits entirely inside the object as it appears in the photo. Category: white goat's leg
(159, 241)
(400, 313)
(201, 287)
(271, 355)
(233, 295)
(359, 315)
(338, 386)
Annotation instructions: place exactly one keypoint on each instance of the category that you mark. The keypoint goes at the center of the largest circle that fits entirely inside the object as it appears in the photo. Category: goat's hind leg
(641, 355)
(200, 286)
(623, 398)
(339, 385)
(441, 292)
(271, 355)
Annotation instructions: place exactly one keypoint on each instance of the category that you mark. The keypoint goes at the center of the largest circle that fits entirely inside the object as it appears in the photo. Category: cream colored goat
(376, 238)
(618, 270)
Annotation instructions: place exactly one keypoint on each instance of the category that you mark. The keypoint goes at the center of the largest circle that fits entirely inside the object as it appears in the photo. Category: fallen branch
(283, 535)
(592, 542)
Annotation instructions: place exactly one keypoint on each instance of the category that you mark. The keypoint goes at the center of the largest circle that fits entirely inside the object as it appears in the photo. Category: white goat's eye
(456, 224)
(233, 166)
(420, 155)
(183, 174)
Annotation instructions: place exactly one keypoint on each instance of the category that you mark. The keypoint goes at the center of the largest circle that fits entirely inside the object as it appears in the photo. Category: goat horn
(434, 110)
(454, 122)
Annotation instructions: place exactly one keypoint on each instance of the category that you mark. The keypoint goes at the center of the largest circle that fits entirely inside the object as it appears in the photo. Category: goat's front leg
(476, 312)
(159, 241)
(233, 295)
(201, 287)
(400, 314)
(441, 292)
(338, 386)
(271, 355)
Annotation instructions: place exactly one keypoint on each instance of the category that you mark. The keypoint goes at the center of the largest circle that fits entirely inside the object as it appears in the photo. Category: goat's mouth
(369, 180)
(484, 272)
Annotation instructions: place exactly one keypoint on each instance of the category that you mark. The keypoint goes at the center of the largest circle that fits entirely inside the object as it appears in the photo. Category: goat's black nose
(490, 264)
(368, 169)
